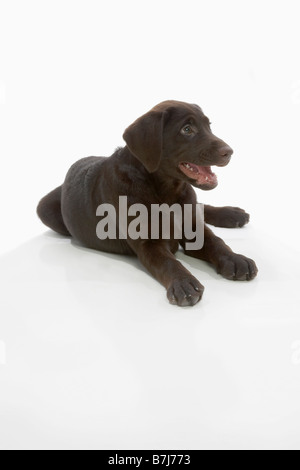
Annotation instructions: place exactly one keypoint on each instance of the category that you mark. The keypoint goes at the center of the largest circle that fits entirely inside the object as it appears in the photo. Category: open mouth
(202, 175)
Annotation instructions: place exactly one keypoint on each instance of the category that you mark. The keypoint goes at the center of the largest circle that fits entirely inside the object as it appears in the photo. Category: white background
(94, 355)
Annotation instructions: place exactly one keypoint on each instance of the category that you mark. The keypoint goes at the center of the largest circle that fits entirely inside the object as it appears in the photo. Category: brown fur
(146, 171)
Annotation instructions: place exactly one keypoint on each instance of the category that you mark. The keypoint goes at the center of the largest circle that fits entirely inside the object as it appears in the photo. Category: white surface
(91, 354)
(97, 358)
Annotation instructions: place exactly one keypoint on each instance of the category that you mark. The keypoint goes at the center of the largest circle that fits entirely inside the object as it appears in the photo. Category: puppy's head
(175, 138)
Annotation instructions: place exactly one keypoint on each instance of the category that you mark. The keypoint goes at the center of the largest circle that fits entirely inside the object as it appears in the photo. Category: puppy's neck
(169, 190)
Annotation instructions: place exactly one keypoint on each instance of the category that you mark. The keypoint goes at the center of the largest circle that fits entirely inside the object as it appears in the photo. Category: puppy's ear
(144, 139)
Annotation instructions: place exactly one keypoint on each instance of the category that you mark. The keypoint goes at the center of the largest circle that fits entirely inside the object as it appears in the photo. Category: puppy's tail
(49, 211)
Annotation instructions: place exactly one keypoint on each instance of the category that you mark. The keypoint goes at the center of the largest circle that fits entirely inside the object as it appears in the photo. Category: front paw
(237, 267)
(236, 217)
(231, 217)
(185, 292)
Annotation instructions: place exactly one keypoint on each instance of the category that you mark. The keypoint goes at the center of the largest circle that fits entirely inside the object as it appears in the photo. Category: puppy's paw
(237, 267)
(235, 217)
(229, 217)
(185, 292)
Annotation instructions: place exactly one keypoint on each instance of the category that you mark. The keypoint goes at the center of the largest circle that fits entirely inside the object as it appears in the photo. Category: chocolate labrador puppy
(169, 149)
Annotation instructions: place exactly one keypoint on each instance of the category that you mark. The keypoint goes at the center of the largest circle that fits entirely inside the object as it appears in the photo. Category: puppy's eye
(187, 130)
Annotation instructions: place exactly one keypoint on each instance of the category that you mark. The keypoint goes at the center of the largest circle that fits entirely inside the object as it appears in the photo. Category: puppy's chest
(165, 193)
(153, 195)
(141, 187)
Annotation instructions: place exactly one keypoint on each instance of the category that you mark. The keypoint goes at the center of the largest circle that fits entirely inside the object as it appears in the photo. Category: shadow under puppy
(169, 149)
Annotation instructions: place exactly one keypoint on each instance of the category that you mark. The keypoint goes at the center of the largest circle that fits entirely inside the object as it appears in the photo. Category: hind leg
(228, 217)
(49, 211)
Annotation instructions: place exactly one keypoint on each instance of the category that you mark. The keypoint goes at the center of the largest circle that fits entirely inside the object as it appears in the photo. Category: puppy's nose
(225, 151)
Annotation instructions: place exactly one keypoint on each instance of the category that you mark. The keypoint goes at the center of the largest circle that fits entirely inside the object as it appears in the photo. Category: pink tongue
(202, 174)
(205, 175)
(195, 167)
